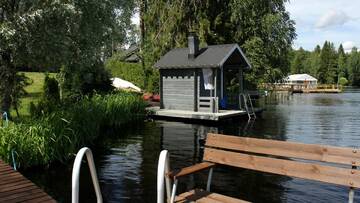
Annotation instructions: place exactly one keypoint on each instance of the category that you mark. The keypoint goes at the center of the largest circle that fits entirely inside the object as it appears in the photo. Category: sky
(337, 21)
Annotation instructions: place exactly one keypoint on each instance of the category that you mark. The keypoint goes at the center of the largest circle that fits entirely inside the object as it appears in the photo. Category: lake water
(127, 166)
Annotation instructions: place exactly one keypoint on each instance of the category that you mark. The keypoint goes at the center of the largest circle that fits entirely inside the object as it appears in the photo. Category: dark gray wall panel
(178, 89)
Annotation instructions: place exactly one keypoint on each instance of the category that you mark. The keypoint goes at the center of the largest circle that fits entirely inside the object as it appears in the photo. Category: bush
(131, 72)
(343, 81)
(79, 79)
(50, 99)
(51, 89)
(59, 134)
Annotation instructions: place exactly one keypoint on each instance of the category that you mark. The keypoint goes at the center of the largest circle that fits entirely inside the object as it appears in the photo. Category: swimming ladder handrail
(76, 175)
(5, 117)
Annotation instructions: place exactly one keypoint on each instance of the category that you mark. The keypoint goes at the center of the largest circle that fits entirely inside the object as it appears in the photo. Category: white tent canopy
(300, 78)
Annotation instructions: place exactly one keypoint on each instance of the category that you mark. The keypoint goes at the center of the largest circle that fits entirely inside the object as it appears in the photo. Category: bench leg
(352, 191)
(209, 179)
(173, 193)
(351, 195)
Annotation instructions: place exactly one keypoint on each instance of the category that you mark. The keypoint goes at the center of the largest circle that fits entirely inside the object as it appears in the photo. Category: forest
(328, 64)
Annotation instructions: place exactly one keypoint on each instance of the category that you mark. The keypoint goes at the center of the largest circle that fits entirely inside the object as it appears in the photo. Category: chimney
(193, 42)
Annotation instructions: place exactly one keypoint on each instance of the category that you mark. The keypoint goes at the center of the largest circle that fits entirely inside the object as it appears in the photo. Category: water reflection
(127, 166)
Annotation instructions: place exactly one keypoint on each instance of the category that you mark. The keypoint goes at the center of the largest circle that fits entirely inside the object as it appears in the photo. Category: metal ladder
(76, 175)
(249, 108)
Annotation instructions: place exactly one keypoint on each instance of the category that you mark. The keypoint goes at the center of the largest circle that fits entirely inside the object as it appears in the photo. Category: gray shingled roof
(210, 57)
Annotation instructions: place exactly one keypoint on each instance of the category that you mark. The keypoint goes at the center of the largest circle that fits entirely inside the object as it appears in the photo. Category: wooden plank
(328, 174)
(195, 99)
(16, 188)
(191, 169)
(201, 196)
(11, 180)
(23, 193)
(22, 181)
(26, 198)
(45, 199)
(286, 149)
(17, 191)
(180, 96)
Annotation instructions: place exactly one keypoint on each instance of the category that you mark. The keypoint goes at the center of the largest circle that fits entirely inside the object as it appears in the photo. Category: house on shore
(202, 79)
(305, 80)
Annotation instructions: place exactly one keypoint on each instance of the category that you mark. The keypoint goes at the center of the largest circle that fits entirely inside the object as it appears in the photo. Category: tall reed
(58, 135)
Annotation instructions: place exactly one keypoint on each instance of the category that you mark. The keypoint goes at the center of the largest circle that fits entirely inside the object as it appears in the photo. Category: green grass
(35, 90)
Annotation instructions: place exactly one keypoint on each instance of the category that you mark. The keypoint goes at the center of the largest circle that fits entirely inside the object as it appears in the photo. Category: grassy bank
(55, 137)
(34, 91)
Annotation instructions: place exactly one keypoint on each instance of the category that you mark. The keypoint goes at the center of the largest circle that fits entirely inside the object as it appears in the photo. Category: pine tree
(354, 67)
(315, 61)
(298, 63)
(341, 62)
(328, 66)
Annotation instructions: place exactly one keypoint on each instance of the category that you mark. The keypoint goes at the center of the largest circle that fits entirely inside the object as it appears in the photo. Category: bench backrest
(249, 153)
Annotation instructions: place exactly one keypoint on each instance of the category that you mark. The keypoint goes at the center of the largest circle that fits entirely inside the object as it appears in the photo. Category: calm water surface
(127, 167)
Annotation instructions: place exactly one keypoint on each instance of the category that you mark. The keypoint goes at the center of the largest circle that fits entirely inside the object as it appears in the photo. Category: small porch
(220, 89)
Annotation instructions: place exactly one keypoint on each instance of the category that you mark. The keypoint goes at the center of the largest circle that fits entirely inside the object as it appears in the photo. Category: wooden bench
(327, 164)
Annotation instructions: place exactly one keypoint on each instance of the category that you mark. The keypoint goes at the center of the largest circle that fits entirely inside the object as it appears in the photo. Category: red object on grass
(147, 96)
(156, 97)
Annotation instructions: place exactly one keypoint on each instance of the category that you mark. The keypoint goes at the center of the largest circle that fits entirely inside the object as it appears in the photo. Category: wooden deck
(14, 187)
(158, 113)
(303, 88)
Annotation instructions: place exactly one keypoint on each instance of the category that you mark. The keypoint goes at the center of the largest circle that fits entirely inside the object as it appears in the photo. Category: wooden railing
(208, 104)
(305, 87)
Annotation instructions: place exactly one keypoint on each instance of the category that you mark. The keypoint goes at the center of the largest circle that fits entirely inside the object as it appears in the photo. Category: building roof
(300, 77)
(213, 56)
(131, 54)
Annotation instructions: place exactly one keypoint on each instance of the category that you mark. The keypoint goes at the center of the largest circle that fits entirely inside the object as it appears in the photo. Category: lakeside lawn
(34, 90)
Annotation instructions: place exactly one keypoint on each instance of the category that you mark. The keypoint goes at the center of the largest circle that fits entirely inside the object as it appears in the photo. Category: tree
(328, 64)
(263, 24)
(71, 34)
(32, 33)
(298, 64)
(315, 60)
(341, 63)
(354, 67)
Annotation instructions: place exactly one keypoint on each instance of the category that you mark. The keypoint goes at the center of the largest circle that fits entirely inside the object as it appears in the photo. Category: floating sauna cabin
(202, 79)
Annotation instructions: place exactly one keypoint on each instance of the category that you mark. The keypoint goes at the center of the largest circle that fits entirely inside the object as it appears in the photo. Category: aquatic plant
(58, 135)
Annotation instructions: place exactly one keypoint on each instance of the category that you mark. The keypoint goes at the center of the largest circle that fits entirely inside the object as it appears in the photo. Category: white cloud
(332, 18)
(313, 28)
(348, 45)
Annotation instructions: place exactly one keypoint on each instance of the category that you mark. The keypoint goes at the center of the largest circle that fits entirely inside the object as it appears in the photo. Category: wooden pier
(165, 114)
(301, 88)
(14, 187)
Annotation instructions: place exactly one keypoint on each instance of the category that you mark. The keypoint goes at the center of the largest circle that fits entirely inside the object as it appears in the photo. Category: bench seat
(202, 196)
(328, 164)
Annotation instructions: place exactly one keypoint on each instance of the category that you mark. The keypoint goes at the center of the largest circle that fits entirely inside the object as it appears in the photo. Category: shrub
(131, 72)
(59, 134)
(50, 99)
(79, 79)
(343, 81)
(51, 89)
